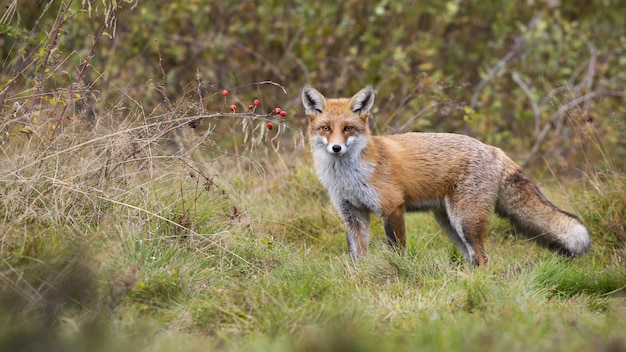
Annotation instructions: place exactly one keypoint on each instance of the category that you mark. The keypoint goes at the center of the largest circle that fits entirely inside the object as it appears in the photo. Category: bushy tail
(536, 217)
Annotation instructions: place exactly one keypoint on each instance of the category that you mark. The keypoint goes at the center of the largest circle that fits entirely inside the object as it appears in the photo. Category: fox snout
(340, 147)
(336, 149)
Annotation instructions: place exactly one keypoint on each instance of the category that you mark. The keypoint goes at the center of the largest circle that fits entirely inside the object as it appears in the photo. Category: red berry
(256, 102)
(249, 107)
(283, 114)
(269, 125)
(233, 108)
(224, 93)
(277, 111)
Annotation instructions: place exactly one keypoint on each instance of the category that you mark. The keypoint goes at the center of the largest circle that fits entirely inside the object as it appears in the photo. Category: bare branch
(517, 79)
(558, 117)
(199, 91)
(518, 48)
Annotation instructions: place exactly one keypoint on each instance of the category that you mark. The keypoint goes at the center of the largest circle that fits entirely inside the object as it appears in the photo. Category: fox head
(338, 125)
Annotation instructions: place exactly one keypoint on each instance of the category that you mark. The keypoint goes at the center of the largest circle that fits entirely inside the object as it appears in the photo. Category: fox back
(461, 180)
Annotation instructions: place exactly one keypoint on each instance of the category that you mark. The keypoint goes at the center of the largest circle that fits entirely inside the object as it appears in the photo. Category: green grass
(156, 258)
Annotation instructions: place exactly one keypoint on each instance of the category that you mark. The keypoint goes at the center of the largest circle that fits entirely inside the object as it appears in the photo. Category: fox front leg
(357, 223)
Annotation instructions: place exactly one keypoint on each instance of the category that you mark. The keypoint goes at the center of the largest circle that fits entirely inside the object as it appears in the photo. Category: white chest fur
(347, 179)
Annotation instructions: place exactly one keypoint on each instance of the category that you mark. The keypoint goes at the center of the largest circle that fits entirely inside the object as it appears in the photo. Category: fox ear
(362, 102)
(313, 101)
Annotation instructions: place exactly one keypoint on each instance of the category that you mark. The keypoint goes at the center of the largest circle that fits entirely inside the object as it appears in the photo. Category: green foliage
(521, 67)
(138, 213)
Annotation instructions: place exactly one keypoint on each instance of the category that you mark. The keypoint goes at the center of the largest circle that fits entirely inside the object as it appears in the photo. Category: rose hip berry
(256, 102)
(283, 114)
(233, 108)
(277, 111)
(269, 126)
(224, 93)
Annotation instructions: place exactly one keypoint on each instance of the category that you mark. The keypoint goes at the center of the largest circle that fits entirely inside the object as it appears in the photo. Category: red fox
(461, 180)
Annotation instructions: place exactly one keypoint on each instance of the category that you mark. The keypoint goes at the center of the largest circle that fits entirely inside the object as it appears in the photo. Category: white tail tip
(578, 240)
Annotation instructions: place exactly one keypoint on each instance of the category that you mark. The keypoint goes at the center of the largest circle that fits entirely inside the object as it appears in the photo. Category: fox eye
(348, 128)
(325, 128)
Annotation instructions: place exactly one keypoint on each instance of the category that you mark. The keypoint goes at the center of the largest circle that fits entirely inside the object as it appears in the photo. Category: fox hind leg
(444, 222)
(473, 229)
(465, 231)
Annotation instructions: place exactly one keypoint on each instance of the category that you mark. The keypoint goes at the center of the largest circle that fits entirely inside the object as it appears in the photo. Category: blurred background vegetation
(134, 204)
(539, 78)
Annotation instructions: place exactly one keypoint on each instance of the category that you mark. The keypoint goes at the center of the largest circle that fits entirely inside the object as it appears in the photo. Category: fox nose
(336, 148)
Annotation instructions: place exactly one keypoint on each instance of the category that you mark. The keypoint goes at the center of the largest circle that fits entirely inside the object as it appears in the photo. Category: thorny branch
(111, 14)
